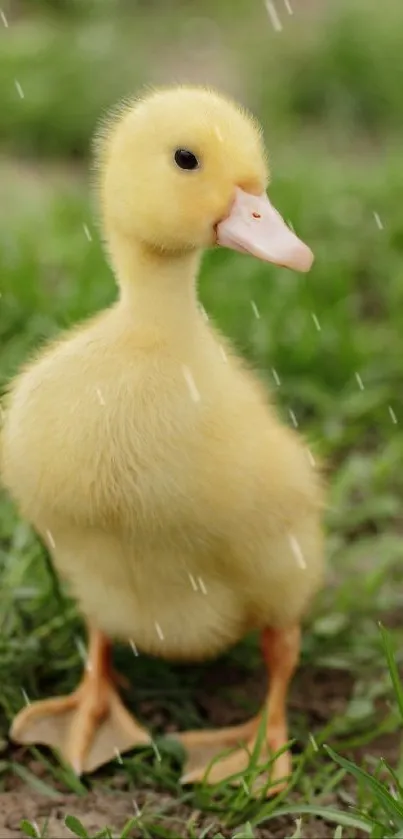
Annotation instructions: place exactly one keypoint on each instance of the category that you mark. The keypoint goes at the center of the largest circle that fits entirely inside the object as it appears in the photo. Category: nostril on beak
(256, 215)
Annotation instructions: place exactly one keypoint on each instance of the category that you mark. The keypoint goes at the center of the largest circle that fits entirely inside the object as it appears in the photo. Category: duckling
(178, 508)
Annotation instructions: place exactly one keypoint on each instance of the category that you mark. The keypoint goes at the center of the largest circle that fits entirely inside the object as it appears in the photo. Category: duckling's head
(185, 168)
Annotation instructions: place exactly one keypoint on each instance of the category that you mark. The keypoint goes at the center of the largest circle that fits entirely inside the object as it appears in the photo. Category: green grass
(334, 340)
(339, 68)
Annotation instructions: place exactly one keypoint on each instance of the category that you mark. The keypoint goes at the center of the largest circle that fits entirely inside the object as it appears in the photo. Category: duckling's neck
(158, 289)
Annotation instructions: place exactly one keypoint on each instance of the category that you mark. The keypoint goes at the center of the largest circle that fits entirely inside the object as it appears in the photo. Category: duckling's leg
(91, 726)
(281, 653)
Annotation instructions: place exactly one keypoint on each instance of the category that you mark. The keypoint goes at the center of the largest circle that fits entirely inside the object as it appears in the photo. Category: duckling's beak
(254, 226)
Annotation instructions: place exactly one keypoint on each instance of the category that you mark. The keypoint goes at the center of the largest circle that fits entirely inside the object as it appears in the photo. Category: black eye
(185, 159)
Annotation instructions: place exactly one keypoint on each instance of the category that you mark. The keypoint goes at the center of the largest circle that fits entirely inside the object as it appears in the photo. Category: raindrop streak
(100, 397)
(296, 549)
(298, 825)
(293, 418)
(50, 539)
(26, 698)
(134, 648)
(3, 18)
(378, 221)
(118, 755)
(87, 232)
(191, 384)
(272, 12)
(311, 458)
(192, 582)
(255, 310)
(136, 809)
(81, 649)
(359, 381)
(159, 631)
(276, 377)
(202, 586)
(157, 751)
(19, 89)
(204, 313)
(224, 354)
(288, 7)
(245, 786)
(316, 322)
(314, 743)
(392, 415)
(218, 133)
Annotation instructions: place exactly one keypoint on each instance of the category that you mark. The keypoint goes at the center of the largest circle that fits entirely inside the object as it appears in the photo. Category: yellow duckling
(179, 509)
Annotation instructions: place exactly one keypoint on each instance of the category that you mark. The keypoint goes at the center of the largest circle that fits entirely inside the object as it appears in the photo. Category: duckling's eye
(185, 159)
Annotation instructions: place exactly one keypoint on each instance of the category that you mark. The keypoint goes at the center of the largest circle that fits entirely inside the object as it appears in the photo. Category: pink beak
(254, 226)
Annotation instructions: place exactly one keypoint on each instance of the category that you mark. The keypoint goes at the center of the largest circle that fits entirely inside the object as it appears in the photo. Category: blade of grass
(389, 804)
(394, 673)
(34, 782)
(327, 814)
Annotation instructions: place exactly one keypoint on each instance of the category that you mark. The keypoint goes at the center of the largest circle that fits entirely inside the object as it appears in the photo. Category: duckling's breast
(167, 601)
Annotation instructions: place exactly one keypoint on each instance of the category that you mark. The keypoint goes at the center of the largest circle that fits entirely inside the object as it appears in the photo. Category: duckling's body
(145, 453)
(182, 477)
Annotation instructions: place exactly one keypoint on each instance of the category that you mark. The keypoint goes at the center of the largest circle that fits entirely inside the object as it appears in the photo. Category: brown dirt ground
(318, 695)
(99, 809)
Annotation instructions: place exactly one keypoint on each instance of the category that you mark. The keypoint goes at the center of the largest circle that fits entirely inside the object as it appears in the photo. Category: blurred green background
(326, 83)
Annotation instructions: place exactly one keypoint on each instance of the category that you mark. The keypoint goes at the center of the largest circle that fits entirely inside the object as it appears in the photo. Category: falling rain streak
(25, 696)
(316, 322)
(202, 586)
(359, 381)
(19, 89)
(197, 585)
(87, 232)
(276, 377)
(50, 539)
(81, 649)
(245, 786)
(136, 808)
(156, 750)
(311, 458)
(296, 549)
(3, 18)
(272, 12)
(159, 631)
(293, 418)
(392, 415)
(255, 310)
(100, 397)
(378, 221)
(191, 384)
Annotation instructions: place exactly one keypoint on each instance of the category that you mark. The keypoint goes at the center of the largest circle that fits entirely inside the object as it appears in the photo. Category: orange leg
(281, 654)
(91, 726)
